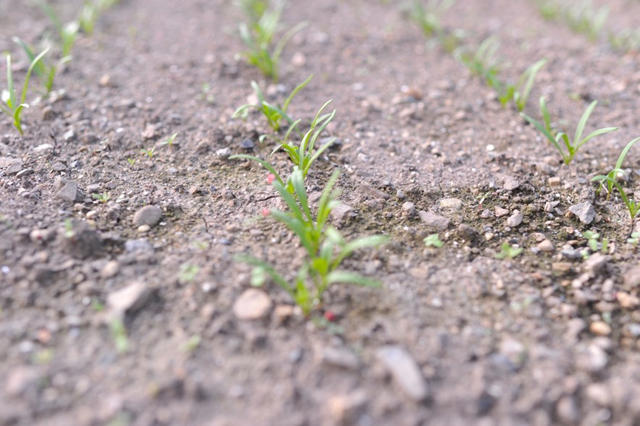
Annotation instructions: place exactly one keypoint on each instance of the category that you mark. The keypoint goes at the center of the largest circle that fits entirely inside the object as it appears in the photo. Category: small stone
(340, 357)
(546, 246)
(592, 359)
(405, 371)
(25, 172)
(561, 268)
(341, 212)
(110, 269)
(468, 233)
(596, 264)
(567, 410)
(224, 153)
(150, 131)
(69, 192)
(584, 211)
(148, 215)
(627, 301)
(511, 184)
(515, 220)
(105, 80)
(247, 144)
(129, 299)
(48, 113)
(14, 167)
(500, 212)
(434, 221)
(143, 229)
(408, 208)
(451, 203)
(599, 393)
(346, 409)
(22, 380)
(43, 148)
(600, 328)
(140, 245)
(632, 277)
(575, 326)
(554, 181)
(69, 135)
(282, 313)
(253, 304)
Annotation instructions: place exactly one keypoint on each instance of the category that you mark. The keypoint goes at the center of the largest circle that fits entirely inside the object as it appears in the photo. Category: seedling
(119, 335)
(169, 141)
(148, 152)
(507, 251)
(617, 171)
(191, 344)
(13, 106)
(632, 206)
(428, 17)
(433, 240)
(518, 93)
(68, 33)
(549, 10)
(206, 94)
(626, 40)
(572, 147)
(593, 243)
(304, 155)
(188, 273)
(45, 70)
(484, 62)
(582, 17)
(253, 9)
(131, 161)
(325, 247)
(635, 237)
(258, 38)
(273, 113)
(103, 198)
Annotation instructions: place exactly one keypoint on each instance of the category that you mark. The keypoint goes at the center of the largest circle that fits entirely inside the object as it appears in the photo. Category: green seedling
(632, 206)
(131, 161)
(188, 273)
(253, 9)
(45, 70)
(484, 62)
(507, 251)
(88, 17)
(119, 335)
(258, 38)
(273, 113)
(148, 152)
(593, 243)
(584, 18)
(549, 10)
(169, 141)
(68, 33)
(617, 171)
(429, 16)
(626, 40)
(304, 155)
(191, 344)
(633, 240)
(11, 104)
(518, 93)
(206, 95)
(572, 147)
(103, 198)
(325, 247)
(433, 240)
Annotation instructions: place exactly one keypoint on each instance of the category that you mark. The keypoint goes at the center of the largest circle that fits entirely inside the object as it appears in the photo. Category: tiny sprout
(192, 344)
(205, 94)
(103, 198)
(433, 240)
(131, 161)
(119, 335)
(635, 237)
(169, 141)
(148, 152)
(507, 251)
(188, 273)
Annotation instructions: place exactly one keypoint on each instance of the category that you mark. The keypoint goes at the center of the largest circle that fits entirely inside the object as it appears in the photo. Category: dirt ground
(454, 337)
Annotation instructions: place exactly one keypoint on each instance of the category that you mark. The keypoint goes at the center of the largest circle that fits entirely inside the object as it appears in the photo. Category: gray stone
(253, 304)
(14, 167)
(110, 269)
(139, 245)
(596, 264)
(341, 212)
(515, 219)
(148, 215)
(434, 221)
(340, 357)
(546, 246)
(511, 183)
(500, 212)
(405, 371)
(408, 208)
(128, 299)
(584, 212)
(69, 192)
(632, 277)
(567, 410)
(451, 203)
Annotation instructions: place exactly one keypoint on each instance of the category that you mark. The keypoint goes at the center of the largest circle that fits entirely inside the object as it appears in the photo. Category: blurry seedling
(119, 335)
(484, 62)
(433, 240)
(131, 161)
(103, 198)
(549, 10)
(626, 40)
(68, 33)
(11, 104)
(258, 38)
(169, 141)
(428, 16)
(632, 206)
(633, 240)
(325, 247)
(518, 93)
(148, 152)
(191, 344)
(304, 155)
(507, 251)
(88, 17)
(188, 273)
(253, 9)
(45, 70)
(206, 94)
(593, 243)
(617, 171)
(584, 18)
(273, 113)
(572, 147)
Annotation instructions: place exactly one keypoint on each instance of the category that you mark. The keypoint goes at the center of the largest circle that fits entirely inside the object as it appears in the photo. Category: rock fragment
(128, 299)
(405, 371)
(584, 212)
(451, 203)
(515, 219)
(434, 221)
(253, 304)
(69, 192)
(147, 215)
(511, 183)
(345, 409)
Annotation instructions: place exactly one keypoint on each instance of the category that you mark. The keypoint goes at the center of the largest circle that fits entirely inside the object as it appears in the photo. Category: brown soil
(498, 342)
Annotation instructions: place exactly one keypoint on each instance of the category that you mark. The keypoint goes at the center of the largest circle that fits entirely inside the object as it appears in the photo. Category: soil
(454, 337)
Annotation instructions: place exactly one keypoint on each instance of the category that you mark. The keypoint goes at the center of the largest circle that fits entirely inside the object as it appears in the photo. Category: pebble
(500, 212)
(143, 229)
(340, 357)
(43, 148)
(408, 208)
(434, 221)
(632, 277)
(515, 219)
(596, 264)
(451, 203)
(405, 371)
(48, 113)
(511, 184)
(247, 144)
(69, 192)
(546, 246)
(110, 269)
(554, 181)
(148, 215)
(22, 380)
(584, 211)
(341, 212)
(253, 304)
(139, 245)
(600, 328)
(598, 393)
(14, 167)
(69, 135)
(567, 410)
(223, 153)
(627, 301)
(346, 409)
(128, 299)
